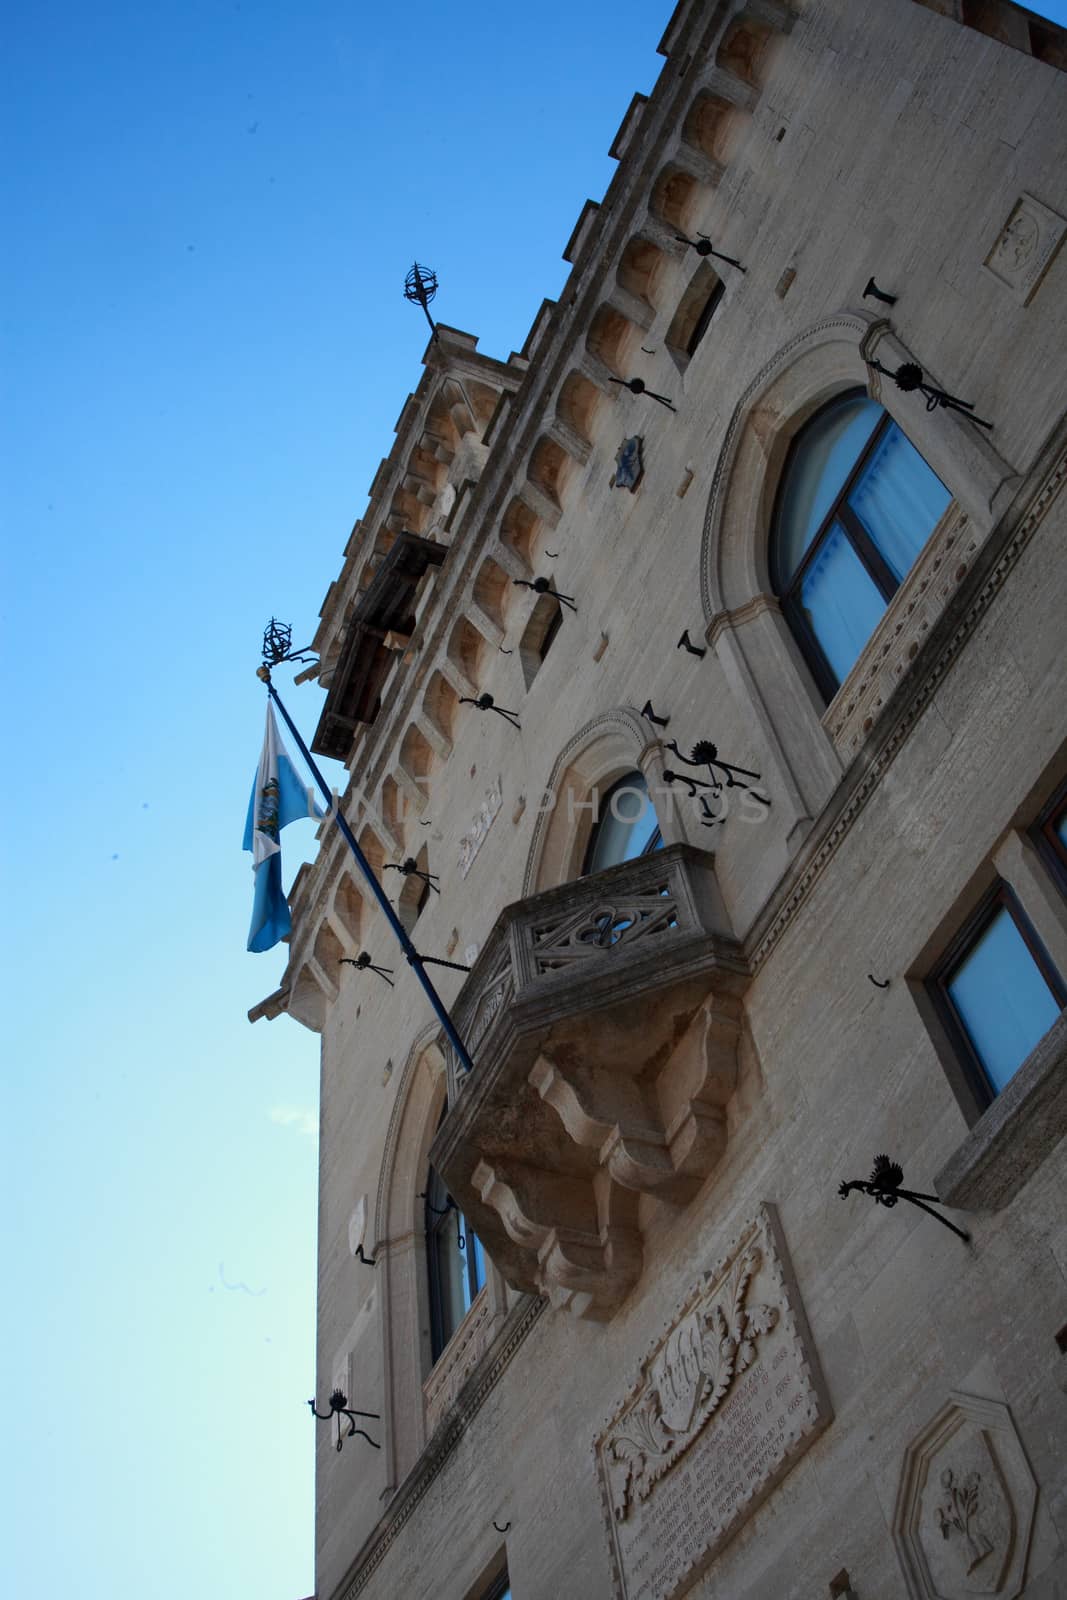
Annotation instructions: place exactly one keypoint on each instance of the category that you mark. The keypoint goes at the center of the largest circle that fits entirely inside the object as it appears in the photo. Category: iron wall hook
(872, 292)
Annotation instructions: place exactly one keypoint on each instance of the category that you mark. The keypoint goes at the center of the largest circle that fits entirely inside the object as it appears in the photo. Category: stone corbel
(572, 1257)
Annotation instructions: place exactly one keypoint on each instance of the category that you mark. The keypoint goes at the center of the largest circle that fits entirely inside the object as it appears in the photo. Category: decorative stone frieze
(725, 1402)
(465, 1349)
(603, 1020)
(965, 1506)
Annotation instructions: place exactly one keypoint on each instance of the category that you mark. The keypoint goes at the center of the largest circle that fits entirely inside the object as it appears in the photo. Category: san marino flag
(278, 798)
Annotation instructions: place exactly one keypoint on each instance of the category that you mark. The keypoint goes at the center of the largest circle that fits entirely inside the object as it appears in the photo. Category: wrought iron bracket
(909, 377)
(706, 754)
(409, 868)
(872, 292)
(485, 702)
(339, 1408)
(703, 247)
(364, 963)
(685, 643)
(368, 1261)
(442, 1211)
(648, 713)
(639, 386)
(884, 1187)
(544, 586)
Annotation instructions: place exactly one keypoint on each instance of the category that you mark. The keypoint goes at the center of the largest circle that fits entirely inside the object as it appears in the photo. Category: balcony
(603, 1019)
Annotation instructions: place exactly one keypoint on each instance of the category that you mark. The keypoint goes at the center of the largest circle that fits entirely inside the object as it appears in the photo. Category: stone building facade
(670, 1358)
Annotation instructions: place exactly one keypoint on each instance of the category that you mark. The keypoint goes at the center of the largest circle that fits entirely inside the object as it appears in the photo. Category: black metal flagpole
(414, 959)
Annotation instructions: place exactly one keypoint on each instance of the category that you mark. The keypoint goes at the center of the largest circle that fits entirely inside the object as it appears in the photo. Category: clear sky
(210, 209)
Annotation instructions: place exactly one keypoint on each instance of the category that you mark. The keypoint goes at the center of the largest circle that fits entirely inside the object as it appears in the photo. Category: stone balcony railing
(603, 1020)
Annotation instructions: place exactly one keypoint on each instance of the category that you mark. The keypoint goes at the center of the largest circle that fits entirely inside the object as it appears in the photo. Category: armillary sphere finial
(420, 286)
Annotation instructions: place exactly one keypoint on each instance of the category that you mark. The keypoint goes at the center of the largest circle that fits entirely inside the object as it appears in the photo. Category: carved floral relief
(965, 1504)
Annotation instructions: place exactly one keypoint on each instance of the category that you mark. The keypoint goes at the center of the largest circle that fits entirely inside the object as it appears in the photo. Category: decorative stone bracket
(603, 1019)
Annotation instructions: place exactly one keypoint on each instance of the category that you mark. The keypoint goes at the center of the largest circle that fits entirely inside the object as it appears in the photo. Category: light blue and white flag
(278, 798)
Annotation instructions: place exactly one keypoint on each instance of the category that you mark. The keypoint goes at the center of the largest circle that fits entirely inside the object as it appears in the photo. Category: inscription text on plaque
(725, 1402)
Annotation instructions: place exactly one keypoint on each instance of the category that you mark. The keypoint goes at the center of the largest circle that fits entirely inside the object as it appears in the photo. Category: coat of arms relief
(688, 1379)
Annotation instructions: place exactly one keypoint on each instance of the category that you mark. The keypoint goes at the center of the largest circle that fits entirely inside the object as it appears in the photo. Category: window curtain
(899, 500)
(841, 601)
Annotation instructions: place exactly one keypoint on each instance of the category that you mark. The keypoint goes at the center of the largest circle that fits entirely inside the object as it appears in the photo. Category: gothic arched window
(856, 504)
(454, 1261)
(626, 825)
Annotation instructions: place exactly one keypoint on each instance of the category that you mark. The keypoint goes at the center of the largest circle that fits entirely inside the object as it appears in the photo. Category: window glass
(831, 445)
(840, 601)
(455, 1262)
(899, 499)
(856, 506)
(1001, 998)
(626, 825)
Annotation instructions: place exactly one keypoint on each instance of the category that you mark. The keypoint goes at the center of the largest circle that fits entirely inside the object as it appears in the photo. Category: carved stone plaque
(965, 1505)
(726, 1400)
(1025, 246)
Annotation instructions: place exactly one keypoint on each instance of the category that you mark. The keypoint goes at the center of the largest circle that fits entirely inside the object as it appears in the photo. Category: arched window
(626, 825)
(455, 1263)
(856, 504)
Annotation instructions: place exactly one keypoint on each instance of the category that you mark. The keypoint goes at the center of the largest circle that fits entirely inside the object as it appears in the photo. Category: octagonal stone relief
(965, 1506)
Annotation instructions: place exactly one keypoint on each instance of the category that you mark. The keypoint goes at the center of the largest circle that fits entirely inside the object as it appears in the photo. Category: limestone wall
(818, 145)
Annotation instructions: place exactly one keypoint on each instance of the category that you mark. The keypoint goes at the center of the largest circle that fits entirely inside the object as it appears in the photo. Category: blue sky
(210, 212)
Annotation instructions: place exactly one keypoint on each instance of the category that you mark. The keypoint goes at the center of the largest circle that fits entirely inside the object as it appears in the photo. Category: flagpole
(403, 938)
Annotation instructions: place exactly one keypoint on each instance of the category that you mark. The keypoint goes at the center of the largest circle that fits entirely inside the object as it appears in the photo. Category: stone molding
(458, 1361)
(626, 724)
(434, 1457)
(965, 1505)
(949, 640)
(1012, 1138)
(846, 328)
(900, 634)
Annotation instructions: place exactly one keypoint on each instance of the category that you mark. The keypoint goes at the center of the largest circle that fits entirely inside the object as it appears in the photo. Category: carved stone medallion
(965, 1505)
(1025, 246)
(727, 1399)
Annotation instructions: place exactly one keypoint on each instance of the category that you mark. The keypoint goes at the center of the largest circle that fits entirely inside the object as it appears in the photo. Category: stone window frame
(605, 749)
(1049, 845)
(789, 588)
(1000, 896)
(417, 1391)
(808, 743)
(1009, 1136)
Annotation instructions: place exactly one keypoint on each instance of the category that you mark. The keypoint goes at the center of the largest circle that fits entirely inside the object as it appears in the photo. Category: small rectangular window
(998, 992)
(1049, 833)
